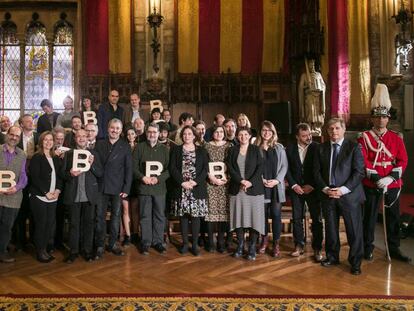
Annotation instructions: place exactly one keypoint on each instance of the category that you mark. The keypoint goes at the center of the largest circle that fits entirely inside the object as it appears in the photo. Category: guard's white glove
(384, 182)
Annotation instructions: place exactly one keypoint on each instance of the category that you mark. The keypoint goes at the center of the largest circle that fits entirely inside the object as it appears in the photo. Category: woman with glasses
(275, 169)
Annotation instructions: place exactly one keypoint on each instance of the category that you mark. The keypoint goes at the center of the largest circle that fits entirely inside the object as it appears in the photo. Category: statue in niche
(401, 54)
(312, 98)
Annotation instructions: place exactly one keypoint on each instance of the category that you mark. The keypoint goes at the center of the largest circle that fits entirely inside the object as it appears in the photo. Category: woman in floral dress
(188, 169)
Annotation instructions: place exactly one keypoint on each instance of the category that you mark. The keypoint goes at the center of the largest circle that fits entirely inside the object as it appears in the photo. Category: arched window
(35, 69)
(36, 84)
(9, 69)
(62, 60)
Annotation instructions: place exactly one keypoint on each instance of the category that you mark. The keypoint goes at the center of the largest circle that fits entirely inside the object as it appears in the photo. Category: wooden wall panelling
(126, 84)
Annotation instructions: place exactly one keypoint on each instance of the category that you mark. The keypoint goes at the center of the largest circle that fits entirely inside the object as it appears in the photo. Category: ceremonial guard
(385, 159)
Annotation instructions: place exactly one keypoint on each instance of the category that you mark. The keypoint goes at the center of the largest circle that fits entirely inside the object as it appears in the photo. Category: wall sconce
(155, 20)
(403, 40)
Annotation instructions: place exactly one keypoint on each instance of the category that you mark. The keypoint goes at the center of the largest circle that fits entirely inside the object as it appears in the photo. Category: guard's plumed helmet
(380, 102)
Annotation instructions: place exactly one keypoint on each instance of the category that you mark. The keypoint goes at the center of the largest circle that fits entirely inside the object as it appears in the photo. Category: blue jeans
(274, 210)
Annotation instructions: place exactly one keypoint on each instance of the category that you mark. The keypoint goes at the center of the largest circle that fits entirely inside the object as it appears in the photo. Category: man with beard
(230, 126)
(70, 137)
(139, 127)
(12, 159)
(151, 188)
(301, 182)
(115, 184)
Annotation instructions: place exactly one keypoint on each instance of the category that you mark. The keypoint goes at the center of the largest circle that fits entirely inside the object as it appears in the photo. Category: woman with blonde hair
(243, 121)
(275, 169)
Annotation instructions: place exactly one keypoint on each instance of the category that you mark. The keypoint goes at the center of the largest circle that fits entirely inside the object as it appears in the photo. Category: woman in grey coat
(275, 168)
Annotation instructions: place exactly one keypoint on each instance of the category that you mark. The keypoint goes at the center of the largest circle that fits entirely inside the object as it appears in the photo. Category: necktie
(335, 153)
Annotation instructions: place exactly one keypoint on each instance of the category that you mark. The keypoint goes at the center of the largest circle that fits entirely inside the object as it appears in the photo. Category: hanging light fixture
(404, 39)
(155, 19)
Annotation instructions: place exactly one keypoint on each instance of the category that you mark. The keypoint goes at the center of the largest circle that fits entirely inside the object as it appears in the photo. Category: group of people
(220, 180)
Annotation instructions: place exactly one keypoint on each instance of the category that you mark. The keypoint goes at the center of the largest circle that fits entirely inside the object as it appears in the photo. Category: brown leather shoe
(317, 255)
(297, 252)
(264, 244)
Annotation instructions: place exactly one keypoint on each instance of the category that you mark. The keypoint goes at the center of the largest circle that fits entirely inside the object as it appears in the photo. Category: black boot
(396, 254)
(252, 245)
(209, 247)
(240, 247)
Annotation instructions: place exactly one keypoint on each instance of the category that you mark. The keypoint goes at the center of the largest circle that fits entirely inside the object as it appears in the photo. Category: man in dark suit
(116, 158)
(338, 170)
(301, 183)
(48, 120)
(80, 196)
(69, 141)
(107, 112)
(131, 111)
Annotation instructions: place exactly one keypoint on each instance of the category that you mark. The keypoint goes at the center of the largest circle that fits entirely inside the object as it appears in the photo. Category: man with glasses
(150, 163)
(11, 159)
(91, 133)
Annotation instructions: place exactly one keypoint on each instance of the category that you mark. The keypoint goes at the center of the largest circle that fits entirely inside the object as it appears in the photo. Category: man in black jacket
(107, 112)
(339, 169)
(301, 183)
(80, 196)
(116, 158)
(48, 120)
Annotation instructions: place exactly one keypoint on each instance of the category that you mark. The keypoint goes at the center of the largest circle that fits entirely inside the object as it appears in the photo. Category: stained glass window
(28, 68)
(36, 85)
(10, 69)
(62, 61)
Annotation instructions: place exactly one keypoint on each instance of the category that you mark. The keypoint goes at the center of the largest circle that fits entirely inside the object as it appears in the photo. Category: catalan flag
(108, 36)
(238, 35)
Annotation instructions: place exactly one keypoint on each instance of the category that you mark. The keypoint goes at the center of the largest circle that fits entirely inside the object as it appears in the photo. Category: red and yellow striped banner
(108, 36)
(238, 35)
(345, 63)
